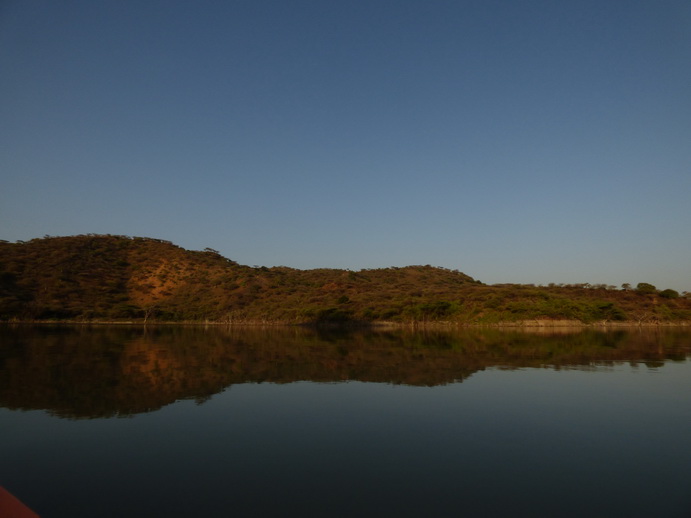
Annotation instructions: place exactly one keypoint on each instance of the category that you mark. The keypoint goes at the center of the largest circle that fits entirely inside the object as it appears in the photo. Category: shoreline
(518, 324)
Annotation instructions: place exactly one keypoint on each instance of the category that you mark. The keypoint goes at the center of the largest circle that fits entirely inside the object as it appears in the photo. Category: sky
(516, 141)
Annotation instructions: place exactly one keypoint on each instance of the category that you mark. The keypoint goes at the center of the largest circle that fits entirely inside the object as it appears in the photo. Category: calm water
(132, 422)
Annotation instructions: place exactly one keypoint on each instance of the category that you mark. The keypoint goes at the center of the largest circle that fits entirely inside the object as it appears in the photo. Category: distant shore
(103, 279)
(522, 324)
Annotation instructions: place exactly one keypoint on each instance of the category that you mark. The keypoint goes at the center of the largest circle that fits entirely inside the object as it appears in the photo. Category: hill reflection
(107, 371)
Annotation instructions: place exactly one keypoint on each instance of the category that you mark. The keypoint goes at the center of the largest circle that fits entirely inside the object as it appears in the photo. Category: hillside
(104, 277)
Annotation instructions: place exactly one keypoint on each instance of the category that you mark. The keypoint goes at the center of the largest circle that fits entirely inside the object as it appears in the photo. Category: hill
(105, 277)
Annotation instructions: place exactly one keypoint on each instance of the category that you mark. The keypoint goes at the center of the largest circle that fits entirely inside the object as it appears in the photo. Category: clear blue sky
(517, 141)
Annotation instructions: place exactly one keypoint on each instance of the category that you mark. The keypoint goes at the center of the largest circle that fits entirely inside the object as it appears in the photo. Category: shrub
(669, 294)
(644, 287)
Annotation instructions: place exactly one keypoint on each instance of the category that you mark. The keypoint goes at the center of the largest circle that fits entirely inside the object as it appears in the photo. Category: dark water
(177, 421)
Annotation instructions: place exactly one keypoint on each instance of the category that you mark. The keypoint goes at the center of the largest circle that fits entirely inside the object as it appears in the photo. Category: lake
(118, 421)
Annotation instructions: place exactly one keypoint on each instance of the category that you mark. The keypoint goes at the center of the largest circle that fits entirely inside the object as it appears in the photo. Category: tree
(149, 312)
(644, 287)
(669, 294)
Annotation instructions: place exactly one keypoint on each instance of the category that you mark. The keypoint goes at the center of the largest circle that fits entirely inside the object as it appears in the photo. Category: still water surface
(192, 421)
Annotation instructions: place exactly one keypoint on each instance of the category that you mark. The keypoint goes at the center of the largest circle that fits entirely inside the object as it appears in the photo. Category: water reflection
(107, 371)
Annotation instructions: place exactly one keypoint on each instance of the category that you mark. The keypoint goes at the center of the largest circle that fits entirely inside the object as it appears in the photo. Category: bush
(669, 294)
(431, 310)
(644, 287)
(334, 315)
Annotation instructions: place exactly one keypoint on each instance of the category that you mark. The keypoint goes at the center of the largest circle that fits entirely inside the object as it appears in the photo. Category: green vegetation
(644, 287)
(121, 278)
(669, 294)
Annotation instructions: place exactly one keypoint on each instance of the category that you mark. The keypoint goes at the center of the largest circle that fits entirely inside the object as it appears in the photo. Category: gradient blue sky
(517, 141)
